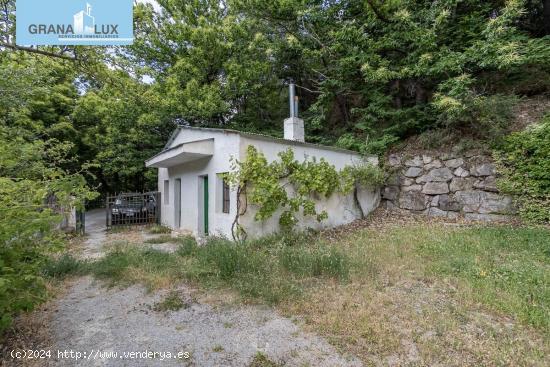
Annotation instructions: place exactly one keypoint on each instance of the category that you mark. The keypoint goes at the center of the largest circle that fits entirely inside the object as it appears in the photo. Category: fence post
(107, 211)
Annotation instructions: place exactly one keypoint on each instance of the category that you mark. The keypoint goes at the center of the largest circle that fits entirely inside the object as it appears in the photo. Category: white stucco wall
(225, 146)
(341, 209)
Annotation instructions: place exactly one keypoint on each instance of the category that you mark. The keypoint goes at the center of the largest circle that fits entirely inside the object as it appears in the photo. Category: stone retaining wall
(446, 184)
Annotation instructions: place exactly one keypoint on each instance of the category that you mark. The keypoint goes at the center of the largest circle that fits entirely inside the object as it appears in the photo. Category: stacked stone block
(446, 185)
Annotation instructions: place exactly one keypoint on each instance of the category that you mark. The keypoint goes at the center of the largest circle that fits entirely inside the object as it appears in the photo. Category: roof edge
(270, 138)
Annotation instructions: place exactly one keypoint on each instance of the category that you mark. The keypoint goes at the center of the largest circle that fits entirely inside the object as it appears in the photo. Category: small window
(166, 192)
(225, 196)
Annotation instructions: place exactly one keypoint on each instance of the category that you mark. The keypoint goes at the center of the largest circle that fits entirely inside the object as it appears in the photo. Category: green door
(205, 210)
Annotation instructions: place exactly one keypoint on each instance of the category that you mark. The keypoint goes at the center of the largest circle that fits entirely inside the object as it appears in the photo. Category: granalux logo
(74, 22)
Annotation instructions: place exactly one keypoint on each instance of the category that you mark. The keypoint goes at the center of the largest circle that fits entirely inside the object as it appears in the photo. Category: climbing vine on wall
(291, 185)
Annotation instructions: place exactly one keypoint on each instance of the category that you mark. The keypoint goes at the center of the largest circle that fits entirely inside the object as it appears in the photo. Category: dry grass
(398, 310)
(30, 331)
(418, 292)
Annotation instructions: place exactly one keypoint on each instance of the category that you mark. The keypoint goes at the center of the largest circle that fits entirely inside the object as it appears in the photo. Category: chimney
(294, 126)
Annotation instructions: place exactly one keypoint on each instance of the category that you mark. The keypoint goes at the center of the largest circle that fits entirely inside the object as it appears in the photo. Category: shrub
(462, 107)
(524, 162)
(27, 235)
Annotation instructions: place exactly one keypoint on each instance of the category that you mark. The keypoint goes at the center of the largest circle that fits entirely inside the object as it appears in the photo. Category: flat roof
(181, 153)
(260, 137)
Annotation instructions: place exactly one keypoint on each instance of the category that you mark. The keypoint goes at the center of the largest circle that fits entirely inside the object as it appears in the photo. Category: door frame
(177, 203)
(205, 204)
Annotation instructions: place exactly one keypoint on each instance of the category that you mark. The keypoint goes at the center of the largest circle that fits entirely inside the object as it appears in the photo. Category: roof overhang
(182, 153)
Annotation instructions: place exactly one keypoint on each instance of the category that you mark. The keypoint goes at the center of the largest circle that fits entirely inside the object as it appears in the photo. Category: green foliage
(264, 183)
(121, 125)
(39, 175)
(372, 68)
(226, 257)
(461, 107)
(367, 175)
(210, 62)
(524, 163)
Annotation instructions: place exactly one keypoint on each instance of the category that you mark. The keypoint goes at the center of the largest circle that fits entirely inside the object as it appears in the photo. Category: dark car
(133, 208)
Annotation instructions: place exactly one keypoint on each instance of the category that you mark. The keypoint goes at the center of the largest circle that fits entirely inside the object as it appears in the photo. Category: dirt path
(91, 318)
(95, 234)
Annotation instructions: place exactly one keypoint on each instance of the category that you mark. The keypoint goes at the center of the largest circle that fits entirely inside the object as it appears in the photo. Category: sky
(153, 2)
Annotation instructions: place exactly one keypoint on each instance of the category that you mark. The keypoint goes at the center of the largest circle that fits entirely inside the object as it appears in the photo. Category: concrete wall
(341, 209)
(225, 146)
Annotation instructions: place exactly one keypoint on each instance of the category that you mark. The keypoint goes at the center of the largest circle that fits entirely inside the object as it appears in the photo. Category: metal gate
(127, 209)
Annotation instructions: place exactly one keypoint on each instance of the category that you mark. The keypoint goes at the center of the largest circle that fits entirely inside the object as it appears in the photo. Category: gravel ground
(90, 317)
(96, 234)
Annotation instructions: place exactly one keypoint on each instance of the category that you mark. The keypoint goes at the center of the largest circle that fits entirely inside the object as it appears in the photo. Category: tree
(212, 66)
(122, 125)
(376, 71)
(38, 174)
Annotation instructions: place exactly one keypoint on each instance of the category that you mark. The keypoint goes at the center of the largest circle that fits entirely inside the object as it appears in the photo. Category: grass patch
(158, 229)
(315, 261)
(506, 269)
(124, 266)
(472, 295)
(161, 239)
(188, 246)
(217, 349)
(172, 302)
(261, 360)
(261, 269)
(62, 267)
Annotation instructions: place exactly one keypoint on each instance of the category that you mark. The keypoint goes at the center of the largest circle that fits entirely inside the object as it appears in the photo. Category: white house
(196, 199)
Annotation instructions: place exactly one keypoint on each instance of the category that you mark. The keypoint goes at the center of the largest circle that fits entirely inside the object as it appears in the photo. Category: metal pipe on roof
(292, 95)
